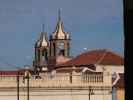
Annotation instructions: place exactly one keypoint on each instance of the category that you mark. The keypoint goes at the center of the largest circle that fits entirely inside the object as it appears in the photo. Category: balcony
(59, 80)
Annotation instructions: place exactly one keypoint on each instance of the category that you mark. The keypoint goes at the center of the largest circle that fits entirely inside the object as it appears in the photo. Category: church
(92, 75)
(48, 51)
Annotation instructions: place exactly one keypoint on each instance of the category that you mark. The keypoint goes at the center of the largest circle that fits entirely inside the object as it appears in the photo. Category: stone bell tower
(41, 53)
(59, 40)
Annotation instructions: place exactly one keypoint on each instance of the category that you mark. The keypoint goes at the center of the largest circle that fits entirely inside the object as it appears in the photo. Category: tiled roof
(103, 57)
(12, 72)
(8, 72)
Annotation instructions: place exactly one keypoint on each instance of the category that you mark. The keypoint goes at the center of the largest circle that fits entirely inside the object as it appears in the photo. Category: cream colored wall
(56, 95)
(60, 81)
(110, 68)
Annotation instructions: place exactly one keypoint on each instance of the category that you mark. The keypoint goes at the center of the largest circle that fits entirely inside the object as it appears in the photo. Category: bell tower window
(61, 48)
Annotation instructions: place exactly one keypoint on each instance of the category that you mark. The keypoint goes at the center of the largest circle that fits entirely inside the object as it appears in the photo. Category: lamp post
(28, 87)
(71, 77)
(18, 82)
(90, 92)
(27, 76)
(18, 85)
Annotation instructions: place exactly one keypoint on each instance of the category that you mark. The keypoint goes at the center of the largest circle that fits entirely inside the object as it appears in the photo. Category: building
(55, 75)
(54, 51)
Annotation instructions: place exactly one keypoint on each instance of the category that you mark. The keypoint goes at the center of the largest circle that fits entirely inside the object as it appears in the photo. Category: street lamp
(18, 85)
(27, 76)
(17, 78)
(90, 92)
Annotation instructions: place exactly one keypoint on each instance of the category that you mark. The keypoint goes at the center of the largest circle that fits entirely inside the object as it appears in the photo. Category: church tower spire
(59, 26)
(59, 31)
(60, 40)
(41, 51)
(43, 40)
(59, 15)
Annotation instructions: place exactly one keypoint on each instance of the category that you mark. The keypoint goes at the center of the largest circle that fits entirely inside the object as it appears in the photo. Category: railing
(92, 78)
(58, 80)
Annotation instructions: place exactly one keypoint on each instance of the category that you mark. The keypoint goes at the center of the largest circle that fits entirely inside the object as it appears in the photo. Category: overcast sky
(93, 24)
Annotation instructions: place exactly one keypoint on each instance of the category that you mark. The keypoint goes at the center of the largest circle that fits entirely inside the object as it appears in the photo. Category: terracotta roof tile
(103, 57)
(8, 72)
(12, 72)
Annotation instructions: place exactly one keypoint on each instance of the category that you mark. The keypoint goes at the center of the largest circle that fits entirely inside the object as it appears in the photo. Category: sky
(92, 24)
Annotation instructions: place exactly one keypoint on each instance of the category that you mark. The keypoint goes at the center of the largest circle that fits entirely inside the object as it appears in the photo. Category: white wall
(110, 68)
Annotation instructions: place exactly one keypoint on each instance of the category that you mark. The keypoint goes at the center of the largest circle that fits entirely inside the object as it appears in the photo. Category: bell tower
(59, 40)
(41, 52)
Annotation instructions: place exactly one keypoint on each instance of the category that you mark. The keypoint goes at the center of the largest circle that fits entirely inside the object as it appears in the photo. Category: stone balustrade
(58, 80)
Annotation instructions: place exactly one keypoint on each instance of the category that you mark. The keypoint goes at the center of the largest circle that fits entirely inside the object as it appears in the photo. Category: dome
(42, 42)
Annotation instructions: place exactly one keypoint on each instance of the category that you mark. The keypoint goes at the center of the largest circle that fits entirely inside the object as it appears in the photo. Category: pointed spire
(43, 33)
(59, 26)
(43, 41)
(59, 32)
(43, 27)
(59, 15)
